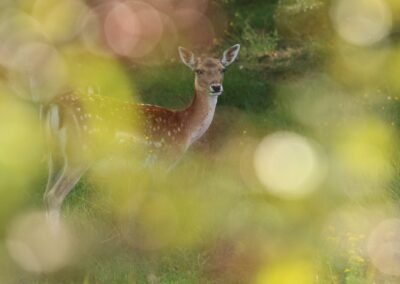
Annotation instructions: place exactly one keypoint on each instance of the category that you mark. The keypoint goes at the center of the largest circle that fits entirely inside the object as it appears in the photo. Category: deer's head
(209, 71)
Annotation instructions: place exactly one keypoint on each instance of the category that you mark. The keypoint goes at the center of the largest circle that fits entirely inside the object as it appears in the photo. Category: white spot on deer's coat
(131, 137)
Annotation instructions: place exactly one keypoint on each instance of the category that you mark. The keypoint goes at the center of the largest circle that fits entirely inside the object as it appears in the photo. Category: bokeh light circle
(195, 26)
(133, 28)
(16, 30)
(170, 36)
(198, 5)
(361, 22)
(288, 165)
(51, 13)
(92, 34)
(384, 247)
(36, 246)
(122, 29)
(40, 71)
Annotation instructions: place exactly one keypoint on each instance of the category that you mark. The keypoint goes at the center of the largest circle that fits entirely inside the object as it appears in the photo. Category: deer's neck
(199, 115)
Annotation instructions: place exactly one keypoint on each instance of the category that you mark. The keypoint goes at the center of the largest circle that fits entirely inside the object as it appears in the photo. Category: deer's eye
(199, 72)
(222, 70)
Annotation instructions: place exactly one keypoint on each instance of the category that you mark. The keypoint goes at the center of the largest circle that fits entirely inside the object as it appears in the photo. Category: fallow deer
(72, 120)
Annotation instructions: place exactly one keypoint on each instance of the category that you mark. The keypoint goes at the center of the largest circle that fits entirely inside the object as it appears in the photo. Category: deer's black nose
(216, 88)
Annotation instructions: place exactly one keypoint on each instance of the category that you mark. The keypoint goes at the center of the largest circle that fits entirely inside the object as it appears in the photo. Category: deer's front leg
(176, 157)
(55, 196)
(64, 173)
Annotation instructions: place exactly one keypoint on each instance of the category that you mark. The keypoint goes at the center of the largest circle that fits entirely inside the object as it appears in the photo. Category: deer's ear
(187, 57)
(230, 55)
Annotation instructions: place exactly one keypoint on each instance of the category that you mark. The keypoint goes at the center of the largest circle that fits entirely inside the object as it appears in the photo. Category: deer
(71, 120)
